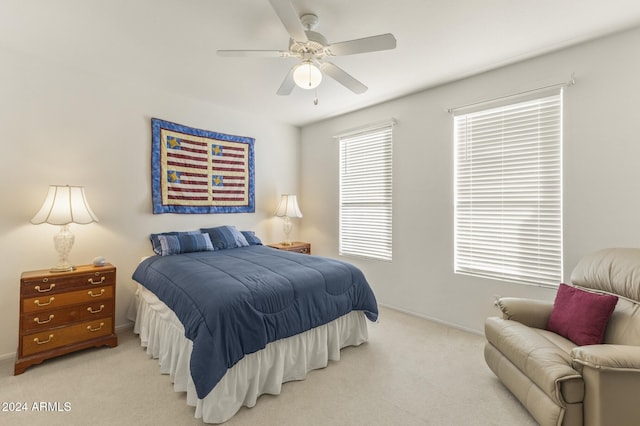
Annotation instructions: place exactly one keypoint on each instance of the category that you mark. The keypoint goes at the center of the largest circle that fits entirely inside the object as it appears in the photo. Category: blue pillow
(169, 243)
(226, 237)
(251, 238)
(155, 241)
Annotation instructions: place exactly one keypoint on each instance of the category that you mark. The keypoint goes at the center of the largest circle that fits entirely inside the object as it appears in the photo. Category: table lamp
(64, 205)
(287, 209)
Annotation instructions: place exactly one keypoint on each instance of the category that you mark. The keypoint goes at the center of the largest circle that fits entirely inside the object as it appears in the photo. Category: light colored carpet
(411, 372)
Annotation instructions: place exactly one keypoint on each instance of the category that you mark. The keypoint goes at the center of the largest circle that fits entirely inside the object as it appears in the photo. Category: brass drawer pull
(51, 299)
(91, 281)
(37, 320)
(90, 293)
(44, 290)
(95, 329)
(37, 340)
(95, 312)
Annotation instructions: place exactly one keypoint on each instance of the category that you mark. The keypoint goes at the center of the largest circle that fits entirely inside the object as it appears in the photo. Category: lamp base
(63, 242)
(286, 225)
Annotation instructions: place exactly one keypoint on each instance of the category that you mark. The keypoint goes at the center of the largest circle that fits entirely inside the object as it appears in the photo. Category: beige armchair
(559, 382)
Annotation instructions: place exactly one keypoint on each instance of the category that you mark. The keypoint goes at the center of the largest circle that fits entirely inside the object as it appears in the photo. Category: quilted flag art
(199, 171)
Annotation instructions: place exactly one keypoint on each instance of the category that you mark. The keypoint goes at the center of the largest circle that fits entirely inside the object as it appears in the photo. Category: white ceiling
(171, 44)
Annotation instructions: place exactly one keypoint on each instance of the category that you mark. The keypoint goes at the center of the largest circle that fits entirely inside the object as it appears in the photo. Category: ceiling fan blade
(254, 53)
(341, 76)
(362, 45)
(287, 84)
(290, 19)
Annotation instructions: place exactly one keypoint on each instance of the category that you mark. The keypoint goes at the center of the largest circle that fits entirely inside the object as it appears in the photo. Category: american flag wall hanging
(199, 171)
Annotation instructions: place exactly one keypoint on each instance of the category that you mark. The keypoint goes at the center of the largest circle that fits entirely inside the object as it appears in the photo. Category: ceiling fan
(312, 49)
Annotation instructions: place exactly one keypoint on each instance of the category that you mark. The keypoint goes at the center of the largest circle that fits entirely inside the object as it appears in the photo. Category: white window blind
(366, 193)
(508, 191)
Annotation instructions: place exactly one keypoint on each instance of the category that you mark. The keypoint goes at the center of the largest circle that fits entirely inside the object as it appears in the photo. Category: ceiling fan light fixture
(307, 75)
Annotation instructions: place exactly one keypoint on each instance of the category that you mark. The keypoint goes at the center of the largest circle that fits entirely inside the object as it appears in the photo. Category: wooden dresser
(62, 312)
(297, 246)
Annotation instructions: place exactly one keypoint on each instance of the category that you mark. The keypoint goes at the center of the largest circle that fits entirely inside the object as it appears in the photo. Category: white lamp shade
(307, 76)
(288, 207)
(63, 205)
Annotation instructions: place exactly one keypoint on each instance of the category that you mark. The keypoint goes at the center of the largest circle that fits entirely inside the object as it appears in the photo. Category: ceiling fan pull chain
(315, 100)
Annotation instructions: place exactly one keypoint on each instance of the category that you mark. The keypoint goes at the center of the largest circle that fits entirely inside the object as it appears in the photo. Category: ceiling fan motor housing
(314, 46)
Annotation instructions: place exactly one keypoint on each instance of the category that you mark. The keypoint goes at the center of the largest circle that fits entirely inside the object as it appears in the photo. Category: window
(508, 191)
(366, 193)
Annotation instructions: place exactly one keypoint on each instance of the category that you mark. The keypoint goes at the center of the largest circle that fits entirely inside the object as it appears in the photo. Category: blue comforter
(233, 302)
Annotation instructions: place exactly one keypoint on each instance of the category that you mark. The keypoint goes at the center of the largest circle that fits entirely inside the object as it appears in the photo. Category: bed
(231, 323)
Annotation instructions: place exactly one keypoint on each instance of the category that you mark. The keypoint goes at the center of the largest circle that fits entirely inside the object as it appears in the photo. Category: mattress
(262, 372)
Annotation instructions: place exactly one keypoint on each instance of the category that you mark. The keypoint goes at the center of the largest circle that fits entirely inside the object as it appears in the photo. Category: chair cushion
(541, 355)
(581, 316)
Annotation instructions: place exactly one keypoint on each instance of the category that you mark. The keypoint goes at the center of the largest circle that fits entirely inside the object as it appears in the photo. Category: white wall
(601, 177)
(59, 125)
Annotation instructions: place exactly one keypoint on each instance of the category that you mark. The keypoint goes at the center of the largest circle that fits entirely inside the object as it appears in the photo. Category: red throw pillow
(581, 316)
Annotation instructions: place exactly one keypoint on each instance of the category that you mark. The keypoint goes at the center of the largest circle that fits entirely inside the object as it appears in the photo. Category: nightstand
(297, 246)
(63, 312)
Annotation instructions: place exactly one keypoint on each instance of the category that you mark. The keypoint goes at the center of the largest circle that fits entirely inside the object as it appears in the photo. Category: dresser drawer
(45, 303)
(302, 249)
(39, 285)
(53, 318)
(51, 339)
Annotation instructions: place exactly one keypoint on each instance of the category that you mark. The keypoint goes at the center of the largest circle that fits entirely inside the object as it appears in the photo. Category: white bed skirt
(262, 372)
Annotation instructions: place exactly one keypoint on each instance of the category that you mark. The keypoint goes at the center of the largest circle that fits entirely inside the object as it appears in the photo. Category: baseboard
(11, 355)
(439, 321)
(128, 324)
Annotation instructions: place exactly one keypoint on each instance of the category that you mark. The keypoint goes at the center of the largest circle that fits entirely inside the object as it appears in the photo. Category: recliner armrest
(530, 312)
(607, 357)
(611, 375)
